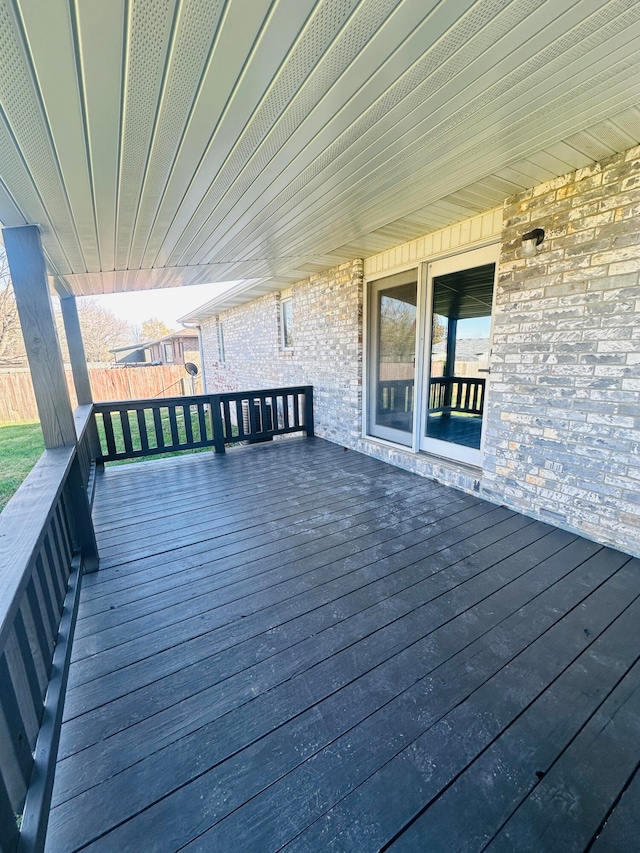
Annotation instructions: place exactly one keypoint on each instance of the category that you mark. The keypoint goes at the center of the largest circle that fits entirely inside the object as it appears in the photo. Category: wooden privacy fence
(18, 402)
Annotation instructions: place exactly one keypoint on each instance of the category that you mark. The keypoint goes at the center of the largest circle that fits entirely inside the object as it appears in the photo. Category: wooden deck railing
(457, 394)
(395, 396)
(47, 541)
(40, 562)
(134, 428)
(446, 394)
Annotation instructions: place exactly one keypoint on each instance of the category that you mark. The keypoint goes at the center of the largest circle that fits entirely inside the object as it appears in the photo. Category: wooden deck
(293, 646)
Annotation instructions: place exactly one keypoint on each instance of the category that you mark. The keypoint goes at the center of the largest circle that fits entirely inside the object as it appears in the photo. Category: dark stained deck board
(291, 662)
(621, 828)
(325, 652)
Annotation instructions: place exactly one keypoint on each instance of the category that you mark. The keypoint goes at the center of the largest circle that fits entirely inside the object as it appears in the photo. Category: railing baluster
(240, 412)
(108, 433)
(277, 411)
(188, 429)
(17, 758)
(202, 422)
(126, 431)
(37, 632)
(44, 585)
(216, 424)
(173, 425)
(265, 417)
(296, 409)
(141, 417)
(64, 546)
(26, 663)
(228, 426)
(53, 571)
(157, 423)
(22, 689)
(64, 534)
(285, 410)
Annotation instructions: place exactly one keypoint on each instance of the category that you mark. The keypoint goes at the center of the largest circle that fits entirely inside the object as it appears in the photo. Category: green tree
(153, 329)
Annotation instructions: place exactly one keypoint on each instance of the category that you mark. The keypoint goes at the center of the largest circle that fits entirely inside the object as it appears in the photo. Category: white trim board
(484, 227)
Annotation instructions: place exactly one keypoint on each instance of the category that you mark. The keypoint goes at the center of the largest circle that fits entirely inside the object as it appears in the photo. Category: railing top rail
(193, 399)
(445, 379)
(23, 523)
(268, 392)
(128, 405)
(82, 419)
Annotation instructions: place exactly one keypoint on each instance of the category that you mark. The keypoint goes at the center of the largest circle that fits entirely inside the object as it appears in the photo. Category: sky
(167, 304)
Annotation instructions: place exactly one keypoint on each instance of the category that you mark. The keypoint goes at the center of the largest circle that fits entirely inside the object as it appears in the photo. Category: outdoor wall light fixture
(531, 240)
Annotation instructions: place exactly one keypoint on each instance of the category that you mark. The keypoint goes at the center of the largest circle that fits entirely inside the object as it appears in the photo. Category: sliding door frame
(372, 322)
(454, 263)
(426, 270)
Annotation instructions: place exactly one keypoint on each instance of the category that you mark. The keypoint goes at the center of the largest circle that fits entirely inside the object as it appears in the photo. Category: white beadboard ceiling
(168, 142)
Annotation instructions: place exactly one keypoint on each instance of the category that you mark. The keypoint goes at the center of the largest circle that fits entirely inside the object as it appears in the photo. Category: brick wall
(563, 417)
(327, 350)
(563, 430)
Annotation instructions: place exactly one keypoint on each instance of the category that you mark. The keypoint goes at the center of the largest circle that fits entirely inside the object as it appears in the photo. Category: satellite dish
(191, 368)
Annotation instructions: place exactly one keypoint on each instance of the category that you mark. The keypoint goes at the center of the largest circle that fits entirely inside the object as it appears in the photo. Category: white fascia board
(242, 292)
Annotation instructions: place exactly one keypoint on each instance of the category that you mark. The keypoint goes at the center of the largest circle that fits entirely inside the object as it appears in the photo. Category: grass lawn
(166, 431)
(21, 446)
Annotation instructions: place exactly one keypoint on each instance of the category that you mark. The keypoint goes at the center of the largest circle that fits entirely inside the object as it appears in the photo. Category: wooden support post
(450, 365)
(308, 411)
(76, 350)
(79, 368)
(33, 300)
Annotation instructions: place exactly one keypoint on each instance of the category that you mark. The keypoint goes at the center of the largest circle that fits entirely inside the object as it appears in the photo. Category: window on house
(429, 345)
(220, 342)
(168, 353)
(286, 323)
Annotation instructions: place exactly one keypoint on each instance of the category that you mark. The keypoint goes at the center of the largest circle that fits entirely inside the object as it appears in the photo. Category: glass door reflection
(459, 358)
(395, 314)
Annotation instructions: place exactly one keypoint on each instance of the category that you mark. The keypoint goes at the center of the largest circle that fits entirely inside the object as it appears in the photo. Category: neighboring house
(554, 430)
(176, 348)
(133, 354)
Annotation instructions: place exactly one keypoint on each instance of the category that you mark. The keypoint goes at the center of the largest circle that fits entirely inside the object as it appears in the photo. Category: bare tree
(12, 350)
(101, 331)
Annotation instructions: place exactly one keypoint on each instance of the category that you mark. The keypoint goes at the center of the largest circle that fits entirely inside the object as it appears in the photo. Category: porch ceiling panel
(168, 142)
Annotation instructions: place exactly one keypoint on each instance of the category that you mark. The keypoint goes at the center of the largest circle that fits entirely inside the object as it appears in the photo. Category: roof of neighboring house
(180, 334)
(467, 349)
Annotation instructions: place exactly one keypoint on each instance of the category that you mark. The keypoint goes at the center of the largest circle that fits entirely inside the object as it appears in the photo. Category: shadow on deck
(296, 646)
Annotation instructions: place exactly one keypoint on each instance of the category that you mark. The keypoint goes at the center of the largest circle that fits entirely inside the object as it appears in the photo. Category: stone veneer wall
(563, 429)
(327, 351)
(563, 418)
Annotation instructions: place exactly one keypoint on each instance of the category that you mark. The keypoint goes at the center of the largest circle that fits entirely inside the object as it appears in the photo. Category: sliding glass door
(430, 333)
(459, 299)
(393, 319)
